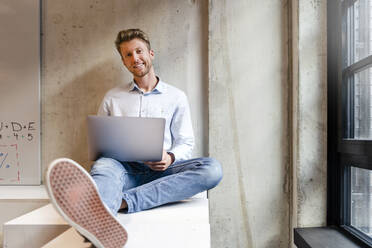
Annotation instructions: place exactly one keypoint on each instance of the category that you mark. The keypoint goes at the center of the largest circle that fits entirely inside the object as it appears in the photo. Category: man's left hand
(163, 164)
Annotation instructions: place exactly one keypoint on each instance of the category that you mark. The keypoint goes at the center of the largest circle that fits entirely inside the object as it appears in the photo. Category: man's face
(136, 57)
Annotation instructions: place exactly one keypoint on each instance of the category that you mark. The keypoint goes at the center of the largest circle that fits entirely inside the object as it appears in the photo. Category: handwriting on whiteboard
(3, 159)
(14, 130)
(9, 163)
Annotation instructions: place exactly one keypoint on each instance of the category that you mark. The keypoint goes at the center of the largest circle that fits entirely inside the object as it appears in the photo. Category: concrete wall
(235, 62)
(248, 129)
(80, 63)
(311, 81)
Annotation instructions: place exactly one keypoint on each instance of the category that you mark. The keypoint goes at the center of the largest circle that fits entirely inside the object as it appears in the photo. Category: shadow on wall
(66, 131)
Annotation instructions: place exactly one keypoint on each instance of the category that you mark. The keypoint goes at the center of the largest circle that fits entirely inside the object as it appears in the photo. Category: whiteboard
(20, 92)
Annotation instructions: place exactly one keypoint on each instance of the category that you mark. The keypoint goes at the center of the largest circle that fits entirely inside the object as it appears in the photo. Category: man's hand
(163, 164)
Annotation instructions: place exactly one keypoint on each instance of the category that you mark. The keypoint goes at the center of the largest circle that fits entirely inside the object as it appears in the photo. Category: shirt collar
(159, 88)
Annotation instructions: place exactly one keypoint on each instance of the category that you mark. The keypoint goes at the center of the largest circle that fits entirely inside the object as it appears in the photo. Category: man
(132, 186)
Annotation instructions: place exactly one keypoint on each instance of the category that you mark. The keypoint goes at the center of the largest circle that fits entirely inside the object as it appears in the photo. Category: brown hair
(130, 34)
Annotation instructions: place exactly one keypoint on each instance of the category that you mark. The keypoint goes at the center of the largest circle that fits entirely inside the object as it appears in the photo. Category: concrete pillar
(248, 122)
(310, 122)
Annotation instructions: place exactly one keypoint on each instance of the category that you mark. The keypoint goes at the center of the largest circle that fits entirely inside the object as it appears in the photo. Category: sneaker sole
(75, 196)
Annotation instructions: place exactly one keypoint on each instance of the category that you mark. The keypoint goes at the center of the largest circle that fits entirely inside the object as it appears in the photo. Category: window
(360, 212)
(356, 74)
(350, 117)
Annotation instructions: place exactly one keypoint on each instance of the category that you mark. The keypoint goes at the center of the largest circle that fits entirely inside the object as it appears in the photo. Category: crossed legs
(135, 187)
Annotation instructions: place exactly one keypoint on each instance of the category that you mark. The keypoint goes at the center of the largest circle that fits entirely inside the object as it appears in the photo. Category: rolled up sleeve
(181, 131)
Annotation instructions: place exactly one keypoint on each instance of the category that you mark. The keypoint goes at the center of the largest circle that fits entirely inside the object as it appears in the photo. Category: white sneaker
(75, 196)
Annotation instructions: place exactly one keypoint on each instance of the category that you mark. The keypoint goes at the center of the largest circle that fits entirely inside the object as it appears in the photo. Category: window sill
(323, 237)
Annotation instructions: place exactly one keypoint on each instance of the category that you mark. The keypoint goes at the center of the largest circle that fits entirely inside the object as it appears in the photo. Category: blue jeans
(143, 188)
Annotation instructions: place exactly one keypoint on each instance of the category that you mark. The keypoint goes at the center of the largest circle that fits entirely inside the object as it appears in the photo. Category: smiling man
(133, 186)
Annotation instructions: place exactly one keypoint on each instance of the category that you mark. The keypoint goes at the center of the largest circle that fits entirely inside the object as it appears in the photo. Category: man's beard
(142, 73)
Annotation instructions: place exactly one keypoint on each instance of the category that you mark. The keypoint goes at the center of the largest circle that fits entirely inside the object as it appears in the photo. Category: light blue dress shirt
(164, 101)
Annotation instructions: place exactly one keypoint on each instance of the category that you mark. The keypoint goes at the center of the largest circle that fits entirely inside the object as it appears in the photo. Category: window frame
(342, 152)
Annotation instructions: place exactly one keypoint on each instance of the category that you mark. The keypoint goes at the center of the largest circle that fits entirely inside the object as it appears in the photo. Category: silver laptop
(125, 138)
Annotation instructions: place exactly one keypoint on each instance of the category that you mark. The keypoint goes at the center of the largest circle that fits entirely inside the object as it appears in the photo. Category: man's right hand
(163, 164)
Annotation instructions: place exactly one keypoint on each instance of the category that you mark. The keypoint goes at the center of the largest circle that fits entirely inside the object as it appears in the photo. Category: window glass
(361, 199)
(359, 25)
(362, 94)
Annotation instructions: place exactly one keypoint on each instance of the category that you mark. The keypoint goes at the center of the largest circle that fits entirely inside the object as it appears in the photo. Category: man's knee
(214, 172)
(107, 166)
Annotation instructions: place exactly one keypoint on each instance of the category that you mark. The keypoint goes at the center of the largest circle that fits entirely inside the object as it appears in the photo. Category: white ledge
(23, 193)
